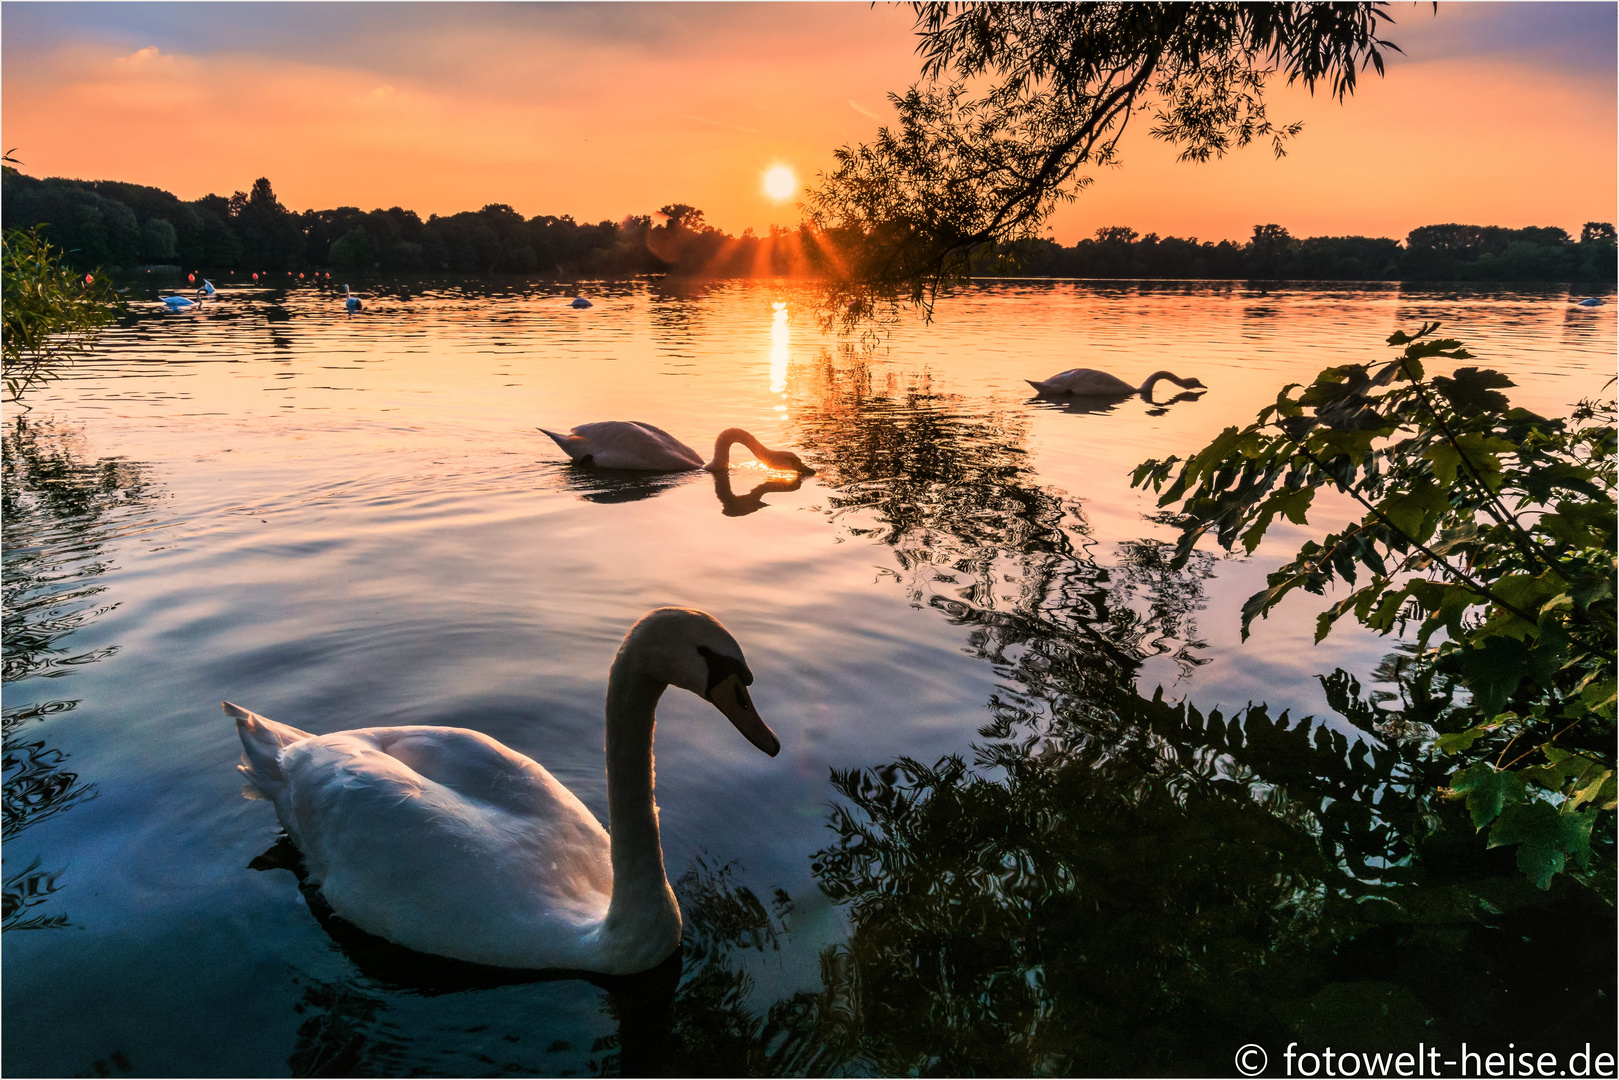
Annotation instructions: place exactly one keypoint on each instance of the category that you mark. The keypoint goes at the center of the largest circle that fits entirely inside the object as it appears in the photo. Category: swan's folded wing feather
(475, 766)
(631, 444)
(509, 856)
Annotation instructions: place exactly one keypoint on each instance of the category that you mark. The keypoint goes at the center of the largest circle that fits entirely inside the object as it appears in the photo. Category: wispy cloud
(863, 111)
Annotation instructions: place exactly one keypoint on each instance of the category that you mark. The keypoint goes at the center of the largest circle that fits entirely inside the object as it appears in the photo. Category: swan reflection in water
(1093, 404)
(346, 1032)
(609, 486)
(683, 1016)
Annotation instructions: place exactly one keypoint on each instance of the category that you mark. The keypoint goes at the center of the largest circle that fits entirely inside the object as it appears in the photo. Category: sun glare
(780, 183)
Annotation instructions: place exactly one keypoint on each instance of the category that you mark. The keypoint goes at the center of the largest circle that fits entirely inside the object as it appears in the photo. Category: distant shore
(112, 225)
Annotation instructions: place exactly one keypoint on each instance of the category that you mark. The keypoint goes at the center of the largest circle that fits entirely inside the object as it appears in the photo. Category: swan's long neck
(729, 438)
(1153, 379)
(642, 901)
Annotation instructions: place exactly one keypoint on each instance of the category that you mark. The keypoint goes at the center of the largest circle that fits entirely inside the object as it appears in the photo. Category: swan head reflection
(616, 486)
(1161, 407)
(742, 505)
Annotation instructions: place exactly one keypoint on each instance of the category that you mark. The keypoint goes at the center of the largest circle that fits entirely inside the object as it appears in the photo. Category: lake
(992, 841)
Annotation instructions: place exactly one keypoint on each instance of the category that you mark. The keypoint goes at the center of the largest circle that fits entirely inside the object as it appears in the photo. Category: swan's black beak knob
(730, 697)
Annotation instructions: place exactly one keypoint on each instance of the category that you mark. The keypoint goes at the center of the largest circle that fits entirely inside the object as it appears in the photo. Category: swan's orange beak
(730, 697)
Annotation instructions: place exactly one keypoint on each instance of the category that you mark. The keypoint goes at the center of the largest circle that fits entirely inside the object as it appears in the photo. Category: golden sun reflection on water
(778, 350)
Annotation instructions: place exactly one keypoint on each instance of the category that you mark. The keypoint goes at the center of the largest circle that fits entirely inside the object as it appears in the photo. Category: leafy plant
(52, 313)
(1488, 527)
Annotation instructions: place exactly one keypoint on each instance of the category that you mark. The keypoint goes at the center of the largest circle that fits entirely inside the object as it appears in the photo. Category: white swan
(628, 444)
(177, 303)
(1088, 382)
(350, 301)
(581, 302)
(444, 841)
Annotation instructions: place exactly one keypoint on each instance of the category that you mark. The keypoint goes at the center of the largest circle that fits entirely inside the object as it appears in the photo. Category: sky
(1495, 114)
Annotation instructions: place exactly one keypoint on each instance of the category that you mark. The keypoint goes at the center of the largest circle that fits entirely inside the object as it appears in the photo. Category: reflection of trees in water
(946, 482)
(338, 1036)
(1116, 884)
(60, 508)
(1140, 888)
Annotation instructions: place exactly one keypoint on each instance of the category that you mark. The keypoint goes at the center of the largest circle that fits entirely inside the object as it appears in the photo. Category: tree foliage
(52, 313)
(1017, 98)
(1489, 529)
(113, 224)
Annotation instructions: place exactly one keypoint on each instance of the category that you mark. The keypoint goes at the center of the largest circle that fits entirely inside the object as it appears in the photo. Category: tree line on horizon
(111, 224)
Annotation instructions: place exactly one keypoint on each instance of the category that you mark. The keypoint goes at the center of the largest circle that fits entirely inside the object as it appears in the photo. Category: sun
(780, 183)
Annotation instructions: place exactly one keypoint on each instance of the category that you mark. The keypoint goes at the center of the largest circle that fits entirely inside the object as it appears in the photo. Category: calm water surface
(984, 846)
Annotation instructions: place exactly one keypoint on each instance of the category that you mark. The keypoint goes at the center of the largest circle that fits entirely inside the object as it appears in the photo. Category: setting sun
(780, 182)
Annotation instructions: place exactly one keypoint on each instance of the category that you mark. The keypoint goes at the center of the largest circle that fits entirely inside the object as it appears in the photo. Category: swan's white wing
(1088, 381)
(443, 840)
(626, 444)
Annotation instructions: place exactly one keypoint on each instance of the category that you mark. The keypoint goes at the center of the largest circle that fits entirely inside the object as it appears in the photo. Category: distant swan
(447, 842)
(350, 301)
(208, 287)
(581, 302)
(626, 444)
(1088, 382)
(1591, 301)
(178, 303)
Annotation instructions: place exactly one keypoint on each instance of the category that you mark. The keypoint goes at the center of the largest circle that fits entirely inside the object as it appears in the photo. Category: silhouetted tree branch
(1017, 98)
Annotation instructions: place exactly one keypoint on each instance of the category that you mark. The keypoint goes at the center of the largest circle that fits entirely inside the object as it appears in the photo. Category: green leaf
(1599, 790)
(1445, 460)
(1415, 512)
(1447, 602)
(1487, 790)
(1473, 389)
(1527, 592)
(1598, 696)
(1546, 839)
(1294, 505)
(1492, 671)
(1479, 451)
(1458, 741)
(1450, 539)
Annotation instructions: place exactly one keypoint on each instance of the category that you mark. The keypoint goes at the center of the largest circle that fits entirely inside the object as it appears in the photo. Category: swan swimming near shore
(447, 842)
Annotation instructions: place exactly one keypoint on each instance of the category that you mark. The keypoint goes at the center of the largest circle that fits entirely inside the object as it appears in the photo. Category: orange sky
(1499, 114)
